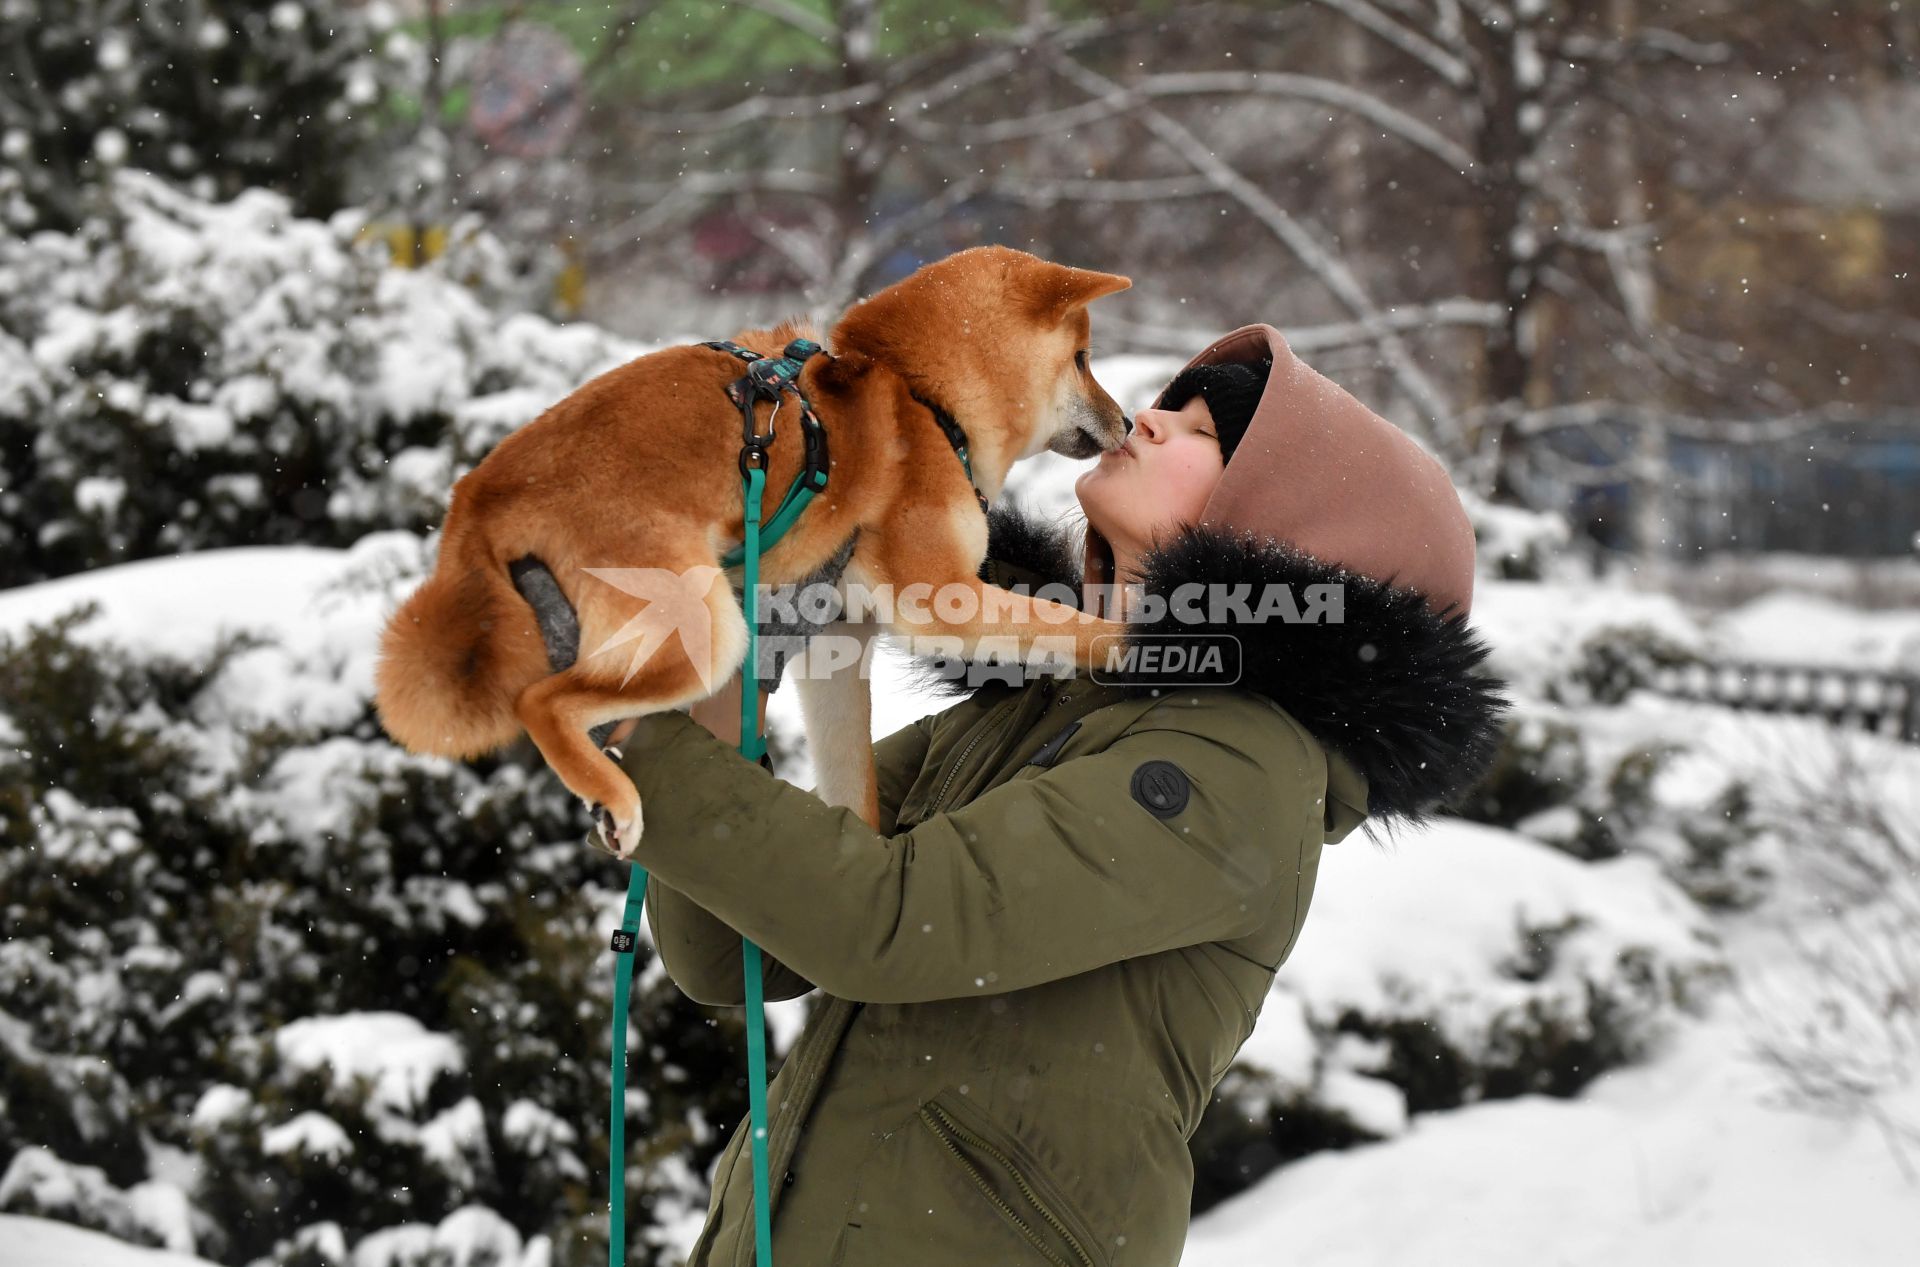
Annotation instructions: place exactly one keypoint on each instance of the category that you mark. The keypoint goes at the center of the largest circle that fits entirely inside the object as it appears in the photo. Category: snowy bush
(1527, 970)
(1591, 764)
(1600, 783)
(76, 1106)
(1275, 1104)
(1570, 643)
(216, 94)
(1476, 964)
(1513, 543)
(349, 988)
(1542, 766)
(1837, 1020)
(177, 374)
(39, 1183)
(1614, 662)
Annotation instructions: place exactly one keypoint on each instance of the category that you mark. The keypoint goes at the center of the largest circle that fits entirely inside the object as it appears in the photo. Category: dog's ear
(1051, 291)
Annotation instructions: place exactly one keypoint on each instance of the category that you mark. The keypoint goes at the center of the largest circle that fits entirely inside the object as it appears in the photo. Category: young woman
(1038, 970)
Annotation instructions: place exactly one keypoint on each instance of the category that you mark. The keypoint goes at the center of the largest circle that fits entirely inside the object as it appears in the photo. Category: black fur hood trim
(1393, 687)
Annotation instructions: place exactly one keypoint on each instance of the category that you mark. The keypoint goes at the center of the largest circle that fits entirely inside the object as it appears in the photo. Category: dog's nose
(1126, 425)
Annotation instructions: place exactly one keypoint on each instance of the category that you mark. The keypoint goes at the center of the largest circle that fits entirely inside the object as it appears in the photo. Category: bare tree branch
(1488, 12)
(1320, 338)
(1243, 83)
(1471, 313)
(1851, 322)
(618, 37)
(1415, 45)
(1840, 1024)
(792, 182)
(1593, 413)
(844, 281)
(1044, 193)
(1646, 43)
(762, 109)
(796, 17)
(806, 252)
(894, 81)
(686, 195)
(1328, 268)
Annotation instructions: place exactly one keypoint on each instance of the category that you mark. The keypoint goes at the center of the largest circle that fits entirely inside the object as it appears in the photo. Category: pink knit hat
(1321, 472)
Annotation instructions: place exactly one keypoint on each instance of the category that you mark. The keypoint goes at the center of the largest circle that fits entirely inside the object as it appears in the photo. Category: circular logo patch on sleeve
(1162, 787)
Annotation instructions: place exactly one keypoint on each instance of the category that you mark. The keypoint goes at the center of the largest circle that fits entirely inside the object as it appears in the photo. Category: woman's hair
(1232, 391)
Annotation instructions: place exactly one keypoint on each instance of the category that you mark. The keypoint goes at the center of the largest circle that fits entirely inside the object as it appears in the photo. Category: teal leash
(623, 943)
(766, 379)
(753, 746)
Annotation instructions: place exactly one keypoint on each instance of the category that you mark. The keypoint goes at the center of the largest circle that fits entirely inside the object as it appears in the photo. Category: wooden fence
(1858, 699)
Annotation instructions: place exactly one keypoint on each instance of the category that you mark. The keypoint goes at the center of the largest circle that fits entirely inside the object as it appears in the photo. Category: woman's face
(1160, 478)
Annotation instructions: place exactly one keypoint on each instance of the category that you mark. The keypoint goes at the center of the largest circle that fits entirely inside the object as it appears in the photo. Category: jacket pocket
(1027, 1199)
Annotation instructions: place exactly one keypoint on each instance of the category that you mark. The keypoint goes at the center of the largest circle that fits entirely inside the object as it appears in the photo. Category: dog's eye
(1080, 358)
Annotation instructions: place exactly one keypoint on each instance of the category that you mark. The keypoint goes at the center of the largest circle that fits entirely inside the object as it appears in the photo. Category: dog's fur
(639, 469)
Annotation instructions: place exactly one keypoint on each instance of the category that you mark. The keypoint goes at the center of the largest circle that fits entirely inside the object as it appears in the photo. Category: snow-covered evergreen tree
(219, 95)
(273, 990)
(342, 986)
(177, 374)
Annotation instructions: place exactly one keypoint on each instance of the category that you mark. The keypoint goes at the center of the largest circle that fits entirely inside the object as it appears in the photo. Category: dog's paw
(625, 836)
(610, 835)
(603, 837)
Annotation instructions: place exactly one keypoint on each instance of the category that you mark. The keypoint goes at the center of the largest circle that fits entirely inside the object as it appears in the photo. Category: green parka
(1039, 968)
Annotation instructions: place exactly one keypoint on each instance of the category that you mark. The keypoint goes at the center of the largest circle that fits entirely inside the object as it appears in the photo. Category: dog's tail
(455, 657)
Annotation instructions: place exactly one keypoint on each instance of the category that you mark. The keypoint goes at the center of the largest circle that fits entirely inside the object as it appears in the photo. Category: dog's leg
(558, 712)
(939, 603)
(836, 703)
(977, 621)
(640, 629)
(961, 615)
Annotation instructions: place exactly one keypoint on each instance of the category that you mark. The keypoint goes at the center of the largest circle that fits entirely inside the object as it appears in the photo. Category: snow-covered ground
(1675, 1162)
(28, 1242)
(1791, 628)
(1681, 1161)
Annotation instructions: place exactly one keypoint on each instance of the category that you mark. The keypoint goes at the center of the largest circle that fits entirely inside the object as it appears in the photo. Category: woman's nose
(1144, 423)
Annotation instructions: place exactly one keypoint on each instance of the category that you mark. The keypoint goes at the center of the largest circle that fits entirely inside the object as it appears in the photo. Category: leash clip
(754, 445)
(753, 456)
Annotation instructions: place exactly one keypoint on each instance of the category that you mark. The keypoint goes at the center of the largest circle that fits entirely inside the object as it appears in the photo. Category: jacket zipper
(979, 733)
(946, 1128)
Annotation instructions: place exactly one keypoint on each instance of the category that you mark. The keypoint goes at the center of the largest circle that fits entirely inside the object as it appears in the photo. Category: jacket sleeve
(701, 952)
(1039, 878)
